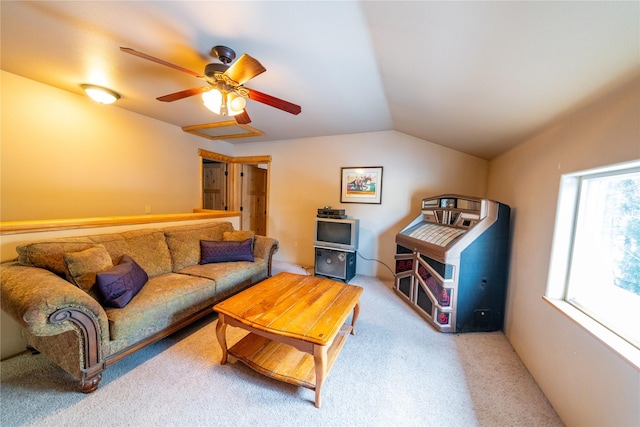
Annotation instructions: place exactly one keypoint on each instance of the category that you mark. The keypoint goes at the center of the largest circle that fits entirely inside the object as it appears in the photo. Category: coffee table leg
(221, 333)
(320, 360)
(356, 313)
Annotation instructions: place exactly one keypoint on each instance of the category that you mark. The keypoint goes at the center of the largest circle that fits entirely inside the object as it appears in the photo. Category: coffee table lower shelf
(284, 362)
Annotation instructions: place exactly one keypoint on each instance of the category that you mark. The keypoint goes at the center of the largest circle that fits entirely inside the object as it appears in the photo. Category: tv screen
(334, 232)
(337, 233)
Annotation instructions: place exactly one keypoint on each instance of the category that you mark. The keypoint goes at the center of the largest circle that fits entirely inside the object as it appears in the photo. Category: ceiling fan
(225, 93)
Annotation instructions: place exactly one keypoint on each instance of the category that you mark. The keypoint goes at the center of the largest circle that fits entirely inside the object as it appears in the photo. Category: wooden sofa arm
(46, 305)
(265, 247)
(31, 295)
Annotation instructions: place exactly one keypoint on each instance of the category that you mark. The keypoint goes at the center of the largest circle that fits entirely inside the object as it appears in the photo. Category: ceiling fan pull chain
(223, 105)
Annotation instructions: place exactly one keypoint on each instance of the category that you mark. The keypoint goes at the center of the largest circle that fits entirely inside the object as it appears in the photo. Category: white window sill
(622, 348)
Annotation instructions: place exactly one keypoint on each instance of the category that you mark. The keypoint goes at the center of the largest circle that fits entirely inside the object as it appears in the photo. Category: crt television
(339, 234)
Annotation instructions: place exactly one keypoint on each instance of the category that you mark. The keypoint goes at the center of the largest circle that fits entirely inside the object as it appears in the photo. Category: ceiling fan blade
(243, 118)
(183, 94)
(274, 102)
(244, 69)
(160, 61)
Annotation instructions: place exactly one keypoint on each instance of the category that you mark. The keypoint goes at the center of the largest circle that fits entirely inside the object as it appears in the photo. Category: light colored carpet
(396, 371)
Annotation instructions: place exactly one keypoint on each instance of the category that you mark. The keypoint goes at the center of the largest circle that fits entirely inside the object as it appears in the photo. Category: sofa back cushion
(147, 246)
(238, 236)
(50, 254)
(184, 241)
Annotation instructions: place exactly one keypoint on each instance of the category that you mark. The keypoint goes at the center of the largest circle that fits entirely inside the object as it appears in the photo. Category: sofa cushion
(163, 301)
(118, 285)
(212, 251)
(50, 254)
(83, 266)
(149, 249)
(184, 241)
(230, 276)
(147, 246)
(238, 235)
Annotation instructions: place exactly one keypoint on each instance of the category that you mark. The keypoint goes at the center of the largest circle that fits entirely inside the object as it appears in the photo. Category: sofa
(88, 302)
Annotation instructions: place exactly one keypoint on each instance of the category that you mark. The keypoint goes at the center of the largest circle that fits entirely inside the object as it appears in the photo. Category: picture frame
(361, 185)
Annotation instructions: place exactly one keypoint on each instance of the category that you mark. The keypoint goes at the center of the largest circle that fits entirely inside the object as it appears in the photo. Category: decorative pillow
(225, 251)
(118, 285)
(184, 241)
(83, 266)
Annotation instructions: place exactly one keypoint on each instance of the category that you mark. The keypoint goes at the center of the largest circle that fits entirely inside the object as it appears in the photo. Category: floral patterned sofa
(87, 302)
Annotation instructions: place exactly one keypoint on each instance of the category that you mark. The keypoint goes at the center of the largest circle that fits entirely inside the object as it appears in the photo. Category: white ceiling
(478, 77)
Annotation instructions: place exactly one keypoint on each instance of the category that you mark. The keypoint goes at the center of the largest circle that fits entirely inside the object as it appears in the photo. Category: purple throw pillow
(118, 285)
(225, 251)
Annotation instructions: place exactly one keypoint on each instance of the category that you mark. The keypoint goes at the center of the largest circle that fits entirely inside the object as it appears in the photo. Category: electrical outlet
(147, 209)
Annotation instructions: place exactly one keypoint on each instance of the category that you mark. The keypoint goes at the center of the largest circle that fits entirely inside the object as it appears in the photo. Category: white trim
(559, 265)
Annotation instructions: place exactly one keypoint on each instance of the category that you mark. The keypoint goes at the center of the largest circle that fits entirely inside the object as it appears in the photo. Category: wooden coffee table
(296, 327)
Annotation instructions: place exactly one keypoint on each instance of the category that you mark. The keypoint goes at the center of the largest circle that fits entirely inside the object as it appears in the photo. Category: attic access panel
(223, 130)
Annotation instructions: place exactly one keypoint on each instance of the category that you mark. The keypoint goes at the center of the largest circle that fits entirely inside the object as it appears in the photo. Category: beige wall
(305, 175)
(585, 381)
(64, 156)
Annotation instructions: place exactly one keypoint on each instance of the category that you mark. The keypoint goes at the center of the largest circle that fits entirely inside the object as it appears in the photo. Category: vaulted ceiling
(478, 77)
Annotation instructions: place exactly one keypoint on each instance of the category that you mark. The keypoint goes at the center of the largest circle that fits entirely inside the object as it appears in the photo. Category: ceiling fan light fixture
(212, 99)
(100, 94)
(236, 104)
(230, 105)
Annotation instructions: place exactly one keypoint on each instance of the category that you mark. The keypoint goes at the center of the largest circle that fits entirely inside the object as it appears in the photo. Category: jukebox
(452, 262)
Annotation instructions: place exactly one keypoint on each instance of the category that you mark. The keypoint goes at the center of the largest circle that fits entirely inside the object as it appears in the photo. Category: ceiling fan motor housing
(223, 53)
(210, 70)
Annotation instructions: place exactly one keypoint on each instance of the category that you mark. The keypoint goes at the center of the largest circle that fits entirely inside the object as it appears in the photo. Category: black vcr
(331, 213)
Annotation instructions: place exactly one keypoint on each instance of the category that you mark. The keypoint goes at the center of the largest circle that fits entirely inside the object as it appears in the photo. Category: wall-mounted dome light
(100, 94)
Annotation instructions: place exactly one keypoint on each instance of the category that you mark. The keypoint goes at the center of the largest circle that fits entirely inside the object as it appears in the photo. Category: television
(339, 234)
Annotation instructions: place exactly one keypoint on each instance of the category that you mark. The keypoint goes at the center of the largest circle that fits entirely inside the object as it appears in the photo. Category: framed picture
(361, 185)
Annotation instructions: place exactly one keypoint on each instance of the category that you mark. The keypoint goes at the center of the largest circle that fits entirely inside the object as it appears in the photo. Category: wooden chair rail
(15, 227)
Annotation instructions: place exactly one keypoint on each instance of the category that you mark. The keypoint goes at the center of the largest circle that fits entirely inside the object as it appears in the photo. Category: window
(595, 264)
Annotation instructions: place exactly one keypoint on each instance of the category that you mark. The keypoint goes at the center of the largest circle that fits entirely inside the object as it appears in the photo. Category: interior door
(237, 184)
(214, 185)
(254, 199)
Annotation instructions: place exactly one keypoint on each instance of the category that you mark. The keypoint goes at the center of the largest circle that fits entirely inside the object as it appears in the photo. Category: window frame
(561, 254)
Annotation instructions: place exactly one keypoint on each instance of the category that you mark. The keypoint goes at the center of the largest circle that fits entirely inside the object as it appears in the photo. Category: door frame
(234, 181)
